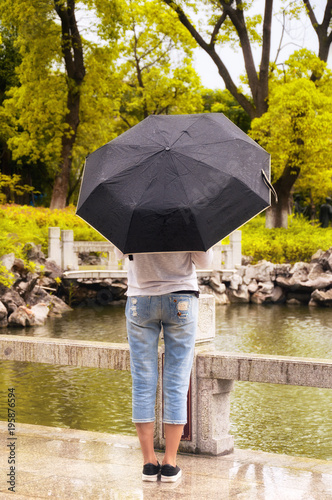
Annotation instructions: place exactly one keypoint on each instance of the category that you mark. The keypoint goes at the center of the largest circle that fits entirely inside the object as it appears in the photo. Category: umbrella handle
(269, 185)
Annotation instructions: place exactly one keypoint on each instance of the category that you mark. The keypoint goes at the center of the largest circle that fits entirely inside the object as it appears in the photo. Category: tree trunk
(277, 214)
(72, 52)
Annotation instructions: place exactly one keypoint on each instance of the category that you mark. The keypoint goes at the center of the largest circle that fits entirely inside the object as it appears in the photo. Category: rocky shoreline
(40, 291)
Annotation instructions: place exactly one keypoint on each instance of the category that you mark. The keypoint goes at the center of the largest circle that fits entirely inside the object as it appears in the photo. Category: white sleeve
(203, 260)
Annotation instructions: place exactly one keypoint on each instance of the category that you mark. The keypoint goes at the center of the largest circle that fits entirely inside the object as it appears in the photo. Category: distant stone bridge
(64, 251)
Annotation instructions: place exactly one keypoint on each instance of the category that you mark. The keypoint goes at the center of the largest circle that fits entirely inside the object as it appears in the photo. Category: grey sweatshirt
(161, 273)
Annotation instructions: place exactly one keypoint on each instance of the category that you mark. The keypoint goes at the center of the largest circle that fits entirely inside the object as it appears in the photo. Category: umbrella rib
(186, 131)
(184, 190)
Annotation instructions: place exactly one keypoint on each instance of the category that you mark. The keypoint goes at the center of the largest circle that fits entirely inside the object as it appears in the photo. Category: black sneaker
(170, 474)
(150, 472)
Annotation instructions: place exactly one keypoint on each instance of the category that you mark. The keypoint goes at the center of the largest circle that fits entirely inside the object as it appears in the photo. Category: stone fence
(64, 250)
(212, 379)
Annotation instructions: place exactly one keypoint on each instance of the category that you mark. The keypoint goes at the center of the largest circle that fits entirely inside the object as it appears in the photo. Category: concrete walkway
(70, 464)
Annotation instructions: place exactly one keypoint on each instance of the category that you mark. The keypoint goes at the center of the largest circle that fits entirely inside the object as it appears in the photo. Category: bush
(297, 243)
(21, 224)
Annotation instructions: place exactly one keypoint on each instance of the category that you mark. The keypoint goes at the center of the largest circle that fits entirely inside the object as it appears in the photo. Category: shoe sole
(171, 479)
(150, 478)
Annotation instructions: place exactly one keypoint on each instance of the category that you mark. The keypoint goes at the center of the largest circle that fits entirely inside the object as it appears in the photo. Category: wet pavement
(65, 464)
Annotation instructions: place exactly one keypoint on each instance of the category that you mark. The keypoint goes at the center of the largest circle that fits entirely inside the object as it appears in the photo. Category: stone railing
(64, 250)
(212, 379)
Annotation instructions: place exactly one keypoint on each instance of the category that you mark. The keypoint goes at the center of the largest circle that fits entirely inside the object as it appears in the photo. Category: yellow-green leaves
(297, 128)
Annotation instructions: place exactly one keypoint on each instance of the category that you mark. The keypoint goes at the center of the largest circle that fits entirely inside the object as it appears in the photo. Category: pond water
(281, 419)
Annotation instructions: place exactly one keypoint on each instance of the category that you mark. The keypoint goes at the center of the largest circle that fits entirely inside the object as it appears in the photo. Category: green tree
(9, 61)
(155, 63)
(228, 22)
(59, 92)
(64, 106)
(297, 131)
(222, 101)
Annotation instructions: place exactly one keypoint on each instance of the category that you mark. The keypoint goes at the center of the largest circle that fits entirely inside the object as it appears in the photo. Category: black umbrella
(174, 183)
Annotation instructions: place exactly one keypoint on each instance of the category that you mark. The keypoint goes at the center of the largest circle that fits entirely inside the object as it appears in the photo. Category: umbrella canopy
(174, 183)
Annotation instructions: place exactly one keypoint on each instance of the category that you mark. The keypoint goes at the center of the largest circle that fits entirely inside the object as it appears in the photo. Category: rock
(282, 270)
(258, 297)
(220, 298)
(33, 252)
(319, 297)
(253, 286)
(19, 266)
(216, 284)
(22, 316)
(266, 287)
(263, 271)
(316, 271)
(3, 311)
(238, 296)
(278, 295)
(267, 293)
(326, 260)
(40, 312)
(12, 300)
(306, 278)
(317, 256)
(57, 306)
(52, 270)
(293, 302)
(8, 260)
(3, 322)
(236, 281)
(246, 260)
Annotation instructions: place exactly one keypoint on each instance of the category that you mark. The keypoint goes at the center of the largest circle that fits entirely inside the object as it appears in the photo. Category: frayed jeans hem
(174, 422)
(143, 421)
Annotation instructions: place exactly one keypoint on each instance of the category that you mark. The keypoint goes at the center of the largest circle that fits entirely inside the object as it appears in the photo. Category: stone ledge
(115, 356)
(308, 372)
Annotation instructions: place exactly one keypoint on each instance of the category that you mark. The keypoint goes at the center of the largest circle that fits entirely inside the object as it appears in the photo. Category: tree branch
(210, 50)
(324, 38)
(266, 48)
(217, 27)
(237, 18)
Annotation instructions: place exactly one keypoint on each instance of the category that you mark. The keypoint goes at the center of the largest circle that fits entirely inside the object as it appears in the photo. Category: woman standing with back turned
(162, 291)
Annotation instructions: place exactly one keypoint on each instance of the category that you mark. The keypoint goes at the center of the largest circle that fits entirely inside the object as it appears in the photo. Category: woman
(162, 292)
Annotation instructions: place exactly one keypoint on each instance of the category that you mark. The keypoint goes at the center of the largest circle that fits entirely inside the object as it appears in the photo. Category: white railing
(64, 251)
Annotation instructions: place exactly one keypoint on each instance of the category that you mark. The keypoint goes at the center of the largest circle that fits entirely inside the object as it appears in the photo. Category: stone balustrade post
(54, 245)
(112, 260)
(213, 411)
(69, 258)
(228, 257)
(236, 246)
(217, 256)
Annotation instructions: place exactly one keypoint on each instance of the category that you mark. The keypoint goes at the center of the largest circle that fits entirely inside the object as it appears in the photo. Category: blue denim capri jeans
(177, 313)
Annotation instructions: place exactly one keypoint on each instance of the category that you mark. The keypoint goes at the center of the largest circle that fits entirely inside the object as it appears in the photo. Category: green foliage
(6, 278)
(297, 243)
(222, 101)
(12, 183)
(155, 65)
(23, 224)
(297, 128)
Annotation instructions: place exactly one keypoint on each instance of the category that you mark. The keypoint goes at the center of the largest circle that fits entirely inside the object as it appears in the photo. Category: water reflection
(279, 330)
(290, 420)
